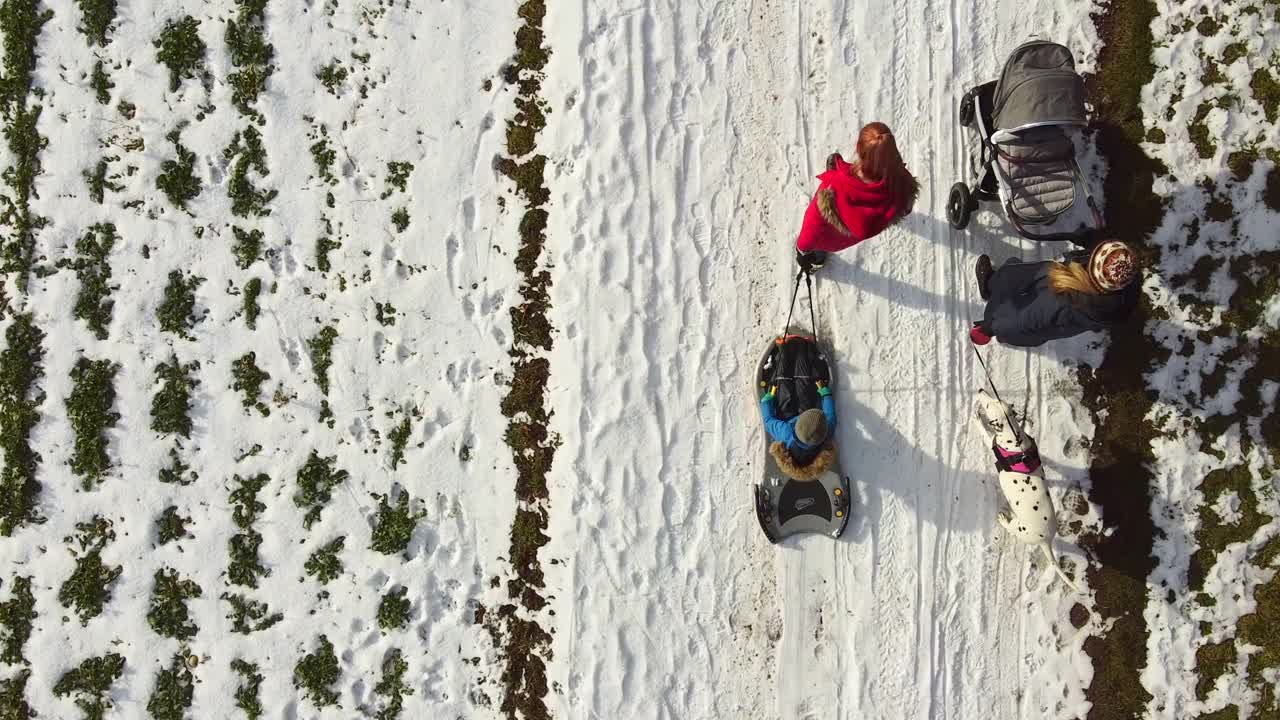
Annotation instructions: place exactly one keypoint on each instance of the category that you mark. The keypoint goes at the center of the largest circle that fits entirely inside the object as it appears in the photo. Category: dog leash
(1017, 429)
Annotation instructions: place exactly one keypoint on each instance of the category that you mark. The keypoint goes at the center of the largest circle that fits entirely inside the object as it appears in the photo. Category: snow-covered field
(308, 502)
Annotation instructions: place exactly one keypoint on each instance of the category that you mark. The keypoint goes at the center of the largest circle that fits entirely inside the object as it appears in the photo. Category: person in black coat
(1029, 304)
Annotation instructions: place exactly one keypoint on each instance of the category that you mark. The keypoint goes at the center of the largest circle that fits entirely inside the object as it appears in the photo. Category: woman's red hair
(879, 159)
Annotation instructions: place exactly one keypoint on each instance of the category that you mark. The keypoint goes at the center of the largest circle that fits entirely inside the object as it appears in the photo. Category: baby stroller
(1024, 158)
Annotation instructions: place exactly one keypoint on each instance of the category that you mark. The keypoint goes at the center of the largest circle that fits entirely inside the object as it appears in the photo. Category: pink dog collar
(1015, 461)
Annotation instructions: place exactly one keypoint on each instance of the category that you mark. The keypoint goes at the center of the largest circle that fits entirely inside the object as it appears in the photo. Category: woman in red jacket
(858, 201)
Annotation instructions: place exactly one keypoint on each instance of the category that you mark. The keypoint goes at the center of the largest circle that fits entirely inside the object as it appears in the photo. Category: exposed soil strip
(1120, 471)
(21, 22)
(524, 644)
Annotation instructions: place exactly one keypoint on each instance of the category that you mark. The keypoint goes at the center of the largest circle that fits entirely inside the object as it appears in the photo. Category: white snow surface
(690, 134)
(684, 139)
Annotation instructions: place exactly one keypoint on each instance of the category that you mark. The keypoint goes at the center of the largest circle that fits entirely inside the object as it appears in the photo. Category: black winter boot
(984, 272)
(811, 261)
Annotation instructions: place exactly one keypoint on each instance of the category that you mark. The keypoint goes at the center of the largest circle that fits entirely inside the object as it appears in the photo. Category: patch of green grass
(171, 406)
(177, 178)
(393, 610)
(244, 567)
(177, 311)
(324, 155)
(89, 409)
(247, 247)
(249, 616)
(324, 564)
(174, 690)
(397, 178)
(90, 683)
(247, 693)
(168, 614)
(92, 266)
(1241, 162)
(1234, 52)
(171, 526)
(400, 219)
(178, 473)
(97, 20)
(325, 245)
(20, 400)
(1199, 131)
(1262, 629)
(528, 535)
(316, 673)
(1212, 662)
(394, 525)
(1267, 92)
(98, 181)
(13, 697)
(391, 686)
(399, 440)
(1271, 193)
(251, 53)
(385, 313)
(16, 616)
(25, 144)
(20, 26)
(321, 349)
(316, 480)
(1213, 536)
(182, 51)
(248, 154)
(1254, 291)
(1208, 26)
(333, 76)
(252, 290)
(248, 379)
(536, 446)
(101, 83)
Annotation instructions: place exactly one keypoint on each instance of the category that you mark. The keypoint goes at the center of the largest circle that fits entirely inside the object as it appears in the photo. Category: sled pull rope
(813, 319)
(795, 291)
(1017, 429)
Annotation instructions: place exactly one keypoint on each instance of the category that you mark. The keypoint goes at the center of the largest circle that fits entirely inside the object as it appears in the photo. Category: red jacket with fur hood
(845, 211)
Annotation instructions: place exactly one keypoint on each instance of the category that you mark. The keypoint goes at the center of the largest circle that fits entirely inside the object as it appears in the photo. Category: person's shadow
(956, 493)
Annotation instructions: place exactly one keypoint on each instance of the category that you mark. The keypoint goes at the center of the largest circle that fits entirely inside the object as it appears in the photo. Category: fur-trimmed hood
(826, 200)
(824, 460)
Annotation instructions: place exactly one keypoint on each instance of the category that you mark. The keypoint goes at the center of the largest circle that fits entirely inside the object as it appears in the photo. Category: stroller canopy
(1039, 86)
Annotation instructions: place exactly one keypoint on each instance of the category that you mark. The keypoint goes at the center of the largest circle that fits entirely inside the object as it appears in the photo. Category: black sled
(786, 505)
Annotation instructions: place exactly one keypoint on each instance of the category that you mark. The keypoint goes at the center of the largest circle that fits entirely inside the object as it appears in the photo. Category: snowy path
(691, 141)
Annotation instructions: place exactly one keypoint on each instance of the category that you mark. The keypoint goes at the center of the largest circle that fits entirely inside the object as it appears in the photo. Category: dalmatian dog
(1029, 515)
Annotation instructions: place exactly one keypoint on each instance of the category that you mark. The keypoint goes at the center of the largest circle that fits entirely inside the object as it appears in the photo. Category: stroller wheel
(960, 205)
(966, 110)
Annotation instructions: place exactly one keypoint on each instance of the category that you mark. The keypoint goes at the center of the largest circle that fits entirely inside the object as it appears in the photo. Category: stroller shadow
(854, 274)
